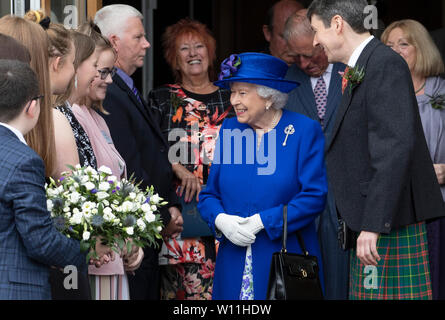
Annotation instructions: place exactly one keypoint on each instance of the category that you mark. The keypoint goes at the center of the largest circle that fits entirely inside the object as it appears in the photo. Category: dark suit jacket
(335, 260)
(139, 140)
(29, 243)
(302, 99)
(378, 162)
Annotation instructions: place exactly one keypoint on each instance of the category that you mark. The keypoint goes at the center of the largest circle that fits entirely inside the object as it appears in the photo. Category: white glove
(253, 224)
(230, 226)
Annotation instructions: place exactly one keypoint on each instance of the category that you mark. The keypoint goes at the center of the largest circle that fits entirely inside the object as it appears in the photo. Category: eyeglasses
(401, 46)
(106, 71)
(34, 99)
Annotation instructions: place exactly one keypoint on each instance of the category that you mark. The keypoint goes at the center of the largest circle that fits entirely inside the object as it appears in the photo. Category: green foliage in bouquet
(89, 205)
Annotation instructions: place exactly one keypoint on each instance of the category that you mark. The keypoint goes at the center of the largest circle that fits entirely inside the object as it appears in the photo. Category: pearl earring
(75, 81)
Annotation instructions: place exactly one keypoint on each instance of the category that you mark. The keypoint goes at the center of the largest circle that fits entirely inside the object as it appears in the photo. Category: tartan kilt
(403, 273)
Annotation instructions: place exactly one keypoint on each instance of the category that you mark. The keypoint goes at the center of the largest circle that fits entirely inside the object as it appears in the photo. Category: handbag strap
(284, 238)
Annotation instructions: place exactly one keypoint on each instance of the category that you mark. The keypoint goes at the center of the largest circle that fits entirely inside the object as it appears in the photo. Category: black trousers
(145, 284)
(59, 292)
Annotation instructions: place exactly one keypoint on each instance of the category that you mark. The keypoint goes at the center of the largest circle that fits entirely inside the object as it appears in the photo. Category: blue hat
(257, 68)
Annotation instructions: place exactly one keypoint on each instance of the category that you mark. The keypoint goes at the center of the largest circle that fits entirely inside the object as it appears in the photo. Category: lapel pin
(290, 130)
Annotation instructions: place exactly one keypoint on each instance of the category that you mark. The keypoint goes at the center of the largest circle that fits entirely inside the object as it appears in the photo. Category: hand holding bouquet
(88, 205)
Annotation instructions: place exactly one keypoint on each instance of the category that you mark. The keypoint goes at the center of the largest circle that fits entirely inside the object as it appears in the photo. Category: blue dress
(244, 181)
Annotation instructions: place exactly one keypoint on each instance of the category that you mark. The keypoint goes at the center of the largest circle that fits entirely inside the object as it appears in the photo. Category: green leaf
(129, 246)
(84, 246)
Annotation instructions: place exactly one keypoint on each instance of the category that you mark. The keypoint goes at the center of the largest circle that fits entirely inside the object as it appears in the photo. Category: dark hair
(18, 85)
(269, 19)
(352, 11)
(12, 49)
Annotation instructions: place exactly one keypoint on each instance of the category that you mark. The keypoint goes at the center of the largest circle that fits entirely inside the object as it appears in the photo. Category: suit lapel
(308, 97)
(334, 95)
(303, 96)
(142, 108)
(349, 92)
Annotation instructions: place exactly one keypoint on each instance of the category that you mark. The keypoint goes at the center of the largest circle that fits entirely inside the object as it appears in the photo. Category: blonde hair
(90, 29)
(35, 15)
(429, 62)
(35, 39)
(60, 39)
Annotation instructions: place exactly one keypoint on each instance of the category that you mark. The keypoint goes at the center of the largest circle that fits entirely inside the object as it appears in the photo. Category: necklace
(421, 88)
(275, 119)
(273, 124)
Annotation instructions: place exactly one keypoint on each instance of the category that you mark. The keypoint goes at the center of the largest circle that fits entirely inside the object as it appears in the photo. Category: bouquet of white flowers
(88, 205)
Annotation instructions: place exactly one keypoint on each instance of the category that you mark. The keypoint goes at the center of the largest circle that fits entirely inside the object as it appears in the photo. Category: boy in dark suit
(378, 163)
(29, 243)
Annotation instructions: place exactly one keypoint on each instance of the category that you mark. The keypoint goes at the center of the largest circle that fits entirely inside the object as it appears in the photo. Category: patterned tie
(344, 81)
(321, 98)
(137, 94)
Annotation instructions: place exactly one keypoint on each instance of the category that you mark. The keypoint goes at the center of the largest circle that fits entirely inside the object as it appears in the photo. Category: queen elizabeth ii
(243, 203)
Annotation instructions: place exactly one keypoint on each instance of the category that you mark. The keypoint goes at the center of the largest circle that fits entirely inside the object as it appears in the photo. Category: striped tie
(137, 94)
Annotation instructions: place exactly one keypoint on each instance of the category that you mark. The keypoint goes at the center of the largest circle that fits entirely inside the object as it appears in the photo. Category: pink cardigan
(106, 155)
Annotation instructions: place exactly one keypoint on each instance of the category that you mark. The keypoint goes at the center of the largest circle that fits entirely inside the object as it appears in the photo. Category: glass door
(5, 8)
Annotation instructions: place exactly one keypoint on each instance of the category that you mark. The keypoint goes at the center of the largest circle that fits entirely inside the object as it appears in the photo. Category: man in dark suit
(29, 243)
(137, 135)
(378, 163)
(274, 27)
(318, 97)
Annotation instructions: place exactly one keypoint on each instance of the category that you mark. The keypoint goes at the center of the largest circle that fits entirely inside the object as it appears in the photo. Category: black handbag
(293, 276)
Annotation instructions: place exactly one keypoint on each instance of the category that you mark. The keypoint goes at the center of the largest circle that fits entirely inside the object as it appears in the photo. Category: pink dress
(106, 155)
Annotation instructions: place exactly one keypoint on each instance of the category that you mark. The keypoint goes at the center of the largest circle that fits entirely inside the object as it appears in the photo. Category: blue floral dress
(247, 284)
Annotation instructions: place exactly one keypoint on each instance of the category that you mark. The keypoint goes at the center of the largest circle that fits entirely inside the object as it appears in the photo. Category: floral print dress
(187, 265)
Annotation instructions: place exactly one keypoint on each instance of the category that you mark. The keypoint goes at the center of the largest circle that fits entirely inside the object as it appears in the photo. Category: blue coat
(302, 100)
(29, 243)
(294, 175)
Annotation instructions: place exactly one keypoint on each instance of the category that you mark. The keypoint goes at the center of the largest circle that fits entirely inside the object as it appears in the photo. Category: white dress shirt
(358, 51)
(15, 131)
(326, 77)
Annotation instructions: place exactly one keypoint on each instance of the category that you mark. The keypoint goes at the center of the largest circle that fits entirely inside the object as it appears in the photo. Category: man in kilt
(379, 167)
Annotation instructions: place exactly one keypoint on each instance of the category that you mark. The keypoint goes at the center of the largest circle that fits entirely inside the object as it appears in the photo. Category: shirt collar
(127, 79)
(358, 51)
(326, 72)
(329, 69)
(15, 131)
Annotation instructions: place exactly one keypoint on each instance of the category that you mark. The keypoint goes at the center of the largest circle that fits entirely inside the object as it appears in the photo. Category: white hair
(278, 98)
(297, 26)
(112, 19)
